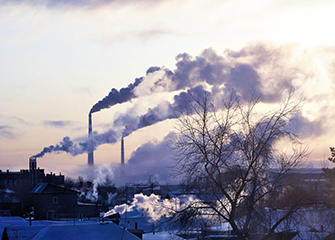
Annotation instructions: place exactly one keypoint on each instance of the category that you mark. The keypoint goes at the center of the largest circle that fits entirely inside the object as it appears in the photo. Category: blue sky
(58, 58)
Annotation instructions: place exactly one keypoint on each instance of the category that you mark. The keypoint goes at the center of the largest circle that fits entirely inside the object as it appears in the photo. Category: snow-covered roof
(63, 230)
(43, 187)
(39, 188)
(6, 197)
(87, 204)
(93, 231)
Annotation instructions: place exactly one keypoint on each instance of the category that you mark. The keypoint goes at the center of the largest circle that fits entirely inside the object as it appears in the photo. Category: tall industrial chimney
(122, 151)
(90, 160)
(122, 157)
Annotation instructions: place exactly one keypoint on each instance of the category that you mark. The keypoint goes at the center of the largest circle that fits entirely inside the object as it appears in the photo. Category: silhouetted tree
(69, 183)
(332, 153)
(329, 174)
(236, 161)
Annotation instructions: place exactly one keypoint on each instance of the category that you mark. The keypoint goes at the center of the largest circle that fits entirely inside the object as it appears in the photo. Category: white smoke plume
(104, 176)
(153, 206)
(85, 145)
(151, 159)
(163, 111)
(260, 69)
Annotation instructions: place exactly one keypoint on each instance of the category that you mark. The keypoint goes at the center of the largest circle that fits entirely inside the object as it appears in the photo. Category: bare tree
(236, 162)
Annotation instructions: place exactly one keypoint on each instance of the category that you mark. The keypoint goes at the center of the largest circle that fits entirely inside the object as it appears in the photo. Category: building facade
(28, 177)
(53, 202)
(25, 180)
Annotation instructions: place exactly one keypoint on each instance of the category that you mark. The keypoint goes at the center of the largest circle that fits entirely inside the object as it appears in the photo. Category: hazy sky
(59, 58)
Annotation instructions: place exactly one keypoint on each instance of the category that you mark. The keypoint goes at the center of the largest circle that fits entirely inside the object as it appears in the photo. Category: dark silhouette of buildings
(22, 182)
(9, 204)
(51, 201)
(45, 193)
(28, 177)
(55, 202)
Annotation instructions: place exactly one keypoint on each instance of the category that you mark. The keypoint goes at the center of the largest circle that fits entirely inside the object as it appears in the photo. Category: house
(53, 202)
(87, 210)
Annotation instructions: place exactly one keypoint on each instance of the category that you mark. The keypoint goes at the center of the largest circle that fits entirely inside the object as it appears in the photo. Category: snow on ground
(159, 236)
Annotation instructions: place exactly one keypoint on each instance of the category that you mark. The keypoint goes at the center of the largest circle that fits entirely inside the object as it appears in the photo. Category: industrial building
(23, 182)
(28, 177)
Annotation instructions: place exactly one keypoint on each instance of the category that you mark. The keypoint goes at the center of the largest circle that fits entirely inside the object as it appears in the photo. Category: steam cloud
(163, 111)
(141, 202)
(152, 159)
(260, 69)
(86, 145)
(153, 206)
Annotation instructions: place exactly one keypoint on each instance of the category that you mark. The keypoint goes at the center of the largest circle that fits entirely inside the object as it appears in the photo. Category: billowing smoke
(64, 146)
(149, 204)
(123, 95)
(260, 69)
(115, 97)
(151, 159)
(152, 205)
(104, 176)
(209, 68)
(84, 146)
(306, 128)
(163, 111)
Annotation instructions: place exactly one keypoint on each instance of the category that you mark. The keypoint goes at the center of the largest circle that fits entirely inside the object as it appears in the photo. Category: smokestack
(89, 124)
(32, 171)
(32, 164)
(122, 157)
(90, 160)
(122, 151)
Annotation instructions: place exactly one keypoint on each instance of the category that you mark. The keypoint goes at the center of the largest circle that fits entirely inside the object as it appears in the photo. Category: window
(55, 200)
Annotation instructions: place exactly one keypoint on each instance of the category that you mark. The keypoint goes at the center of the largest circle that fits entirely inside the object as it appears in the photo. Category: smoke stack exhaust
(122, 151)
(90, 160)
